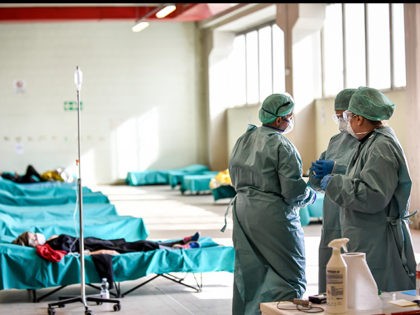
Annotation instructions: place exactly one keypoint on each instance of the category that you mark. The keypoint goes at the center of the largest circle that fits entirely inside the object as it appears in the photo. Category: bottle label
(335, 288)
(335, 276)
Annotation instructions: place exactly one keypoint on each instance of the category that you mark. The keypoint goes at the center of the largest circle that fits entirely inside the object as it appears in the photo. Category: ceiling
(57, 12)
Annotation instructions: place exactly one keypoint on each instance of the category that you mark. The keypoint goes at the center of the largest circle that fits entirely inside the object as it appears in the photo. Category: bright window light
(140, 26)
(165, 11)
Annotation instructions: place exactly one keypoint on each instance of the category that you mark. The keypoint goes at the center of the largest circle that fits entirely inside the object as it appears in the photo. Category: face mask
(342, 125)
(355, 134)
(350, 130)
(290, 125)
(41, 238)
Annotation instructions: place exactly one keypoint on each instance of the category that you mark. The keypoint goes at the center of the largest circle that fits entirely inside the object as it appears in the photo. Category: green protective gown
(266, 172)
(340, 149)
(374, 196)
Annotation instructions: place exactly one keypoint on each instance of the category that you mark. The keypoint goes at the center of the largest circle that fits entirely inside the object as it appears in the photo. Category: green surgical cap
(342, 99)
(371, 104)
(275, 105)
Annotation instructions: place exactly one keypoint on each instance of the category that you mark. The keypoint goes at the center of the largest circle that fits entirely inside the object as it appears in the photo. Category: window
(238, 74)
(257, 62)
(398, 45)
(363, 44)
(355, 49)
(379, 62)
(333, 50)
(265, 63)
(251, 67)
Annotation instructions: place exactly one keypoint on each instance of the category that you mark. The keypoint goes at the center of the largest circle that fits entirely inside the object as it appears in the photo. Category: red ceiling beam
(40, 14)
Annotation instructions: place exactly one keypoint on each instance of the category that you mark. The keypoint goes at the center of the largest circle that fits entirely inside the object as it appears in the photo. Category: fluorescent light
(165, 11)
(140, 26)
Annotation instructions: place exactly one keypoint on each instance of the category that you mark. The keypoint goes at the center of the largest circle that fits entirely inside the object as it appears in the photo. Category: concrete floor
(167, 214)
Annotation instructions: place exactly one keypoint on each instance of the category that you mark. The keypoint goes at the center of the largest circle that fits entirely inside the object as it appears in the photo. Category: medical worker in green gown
(333, 160)
(374, 193)
(266, 172)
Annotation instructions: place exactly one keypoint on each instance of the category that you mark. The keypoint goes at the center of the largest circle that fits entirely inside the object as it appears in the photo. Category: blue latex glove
(325, 181)
(322, 167)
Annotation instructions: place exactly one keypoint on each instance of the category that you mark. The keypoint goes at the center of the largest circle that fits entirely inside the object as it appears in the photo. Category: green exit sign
(72, 105)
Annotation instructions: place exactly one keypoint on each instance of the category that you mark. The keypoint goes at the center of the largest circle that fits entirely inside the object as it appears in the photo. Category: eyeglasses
(347, 116)
(337, 118)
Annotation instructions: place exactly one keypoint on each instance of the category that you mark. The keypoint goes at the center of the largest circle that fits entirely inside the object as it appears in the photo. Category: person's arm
(52, 237)
(294, 189)
(372, 188)
(104, 251)
(314, 181)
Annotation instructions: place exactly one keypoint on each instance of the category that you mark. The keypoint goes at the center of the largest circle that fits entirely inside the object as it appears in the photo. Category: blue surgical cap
(275, 105)
(371, 104)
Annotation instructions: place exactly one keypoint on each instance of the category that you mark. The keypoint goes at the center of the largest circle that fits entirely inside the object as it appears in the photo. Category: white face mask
(41, 238)
(342, 125)
(350, 130)
(355, 134)
(290, 126)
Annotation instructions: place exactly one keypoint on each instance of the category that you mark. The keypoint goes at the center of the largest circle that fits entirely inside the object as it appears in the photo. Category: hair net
(371, 104)
(275, 105)
(342, 99)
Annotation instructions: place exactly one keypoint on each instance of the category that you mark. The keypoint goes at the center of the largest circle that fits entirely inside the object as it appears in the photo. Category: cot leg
(138, 286)
(178, 280)
(173, 278)
(36, 300)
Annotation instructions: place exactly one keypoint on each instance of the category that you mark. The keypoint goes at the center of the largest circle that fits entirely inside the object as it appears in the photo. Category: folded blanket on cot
(162, 177)
(41, 189)
(51, 223)
(7, 198)
(22, 268)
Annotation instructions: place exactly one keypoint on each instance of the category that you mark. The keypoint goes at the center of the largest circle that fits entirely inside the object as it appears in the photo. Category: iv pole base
(52, 306)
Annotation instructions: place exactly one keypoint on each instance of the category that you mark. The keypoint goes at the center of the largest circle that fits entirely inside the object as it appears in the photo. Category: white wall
(140, 97)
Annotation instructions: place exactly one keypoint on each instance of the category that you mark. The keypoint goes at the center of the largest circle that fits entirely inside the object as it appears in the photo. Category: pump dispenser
(337, 278)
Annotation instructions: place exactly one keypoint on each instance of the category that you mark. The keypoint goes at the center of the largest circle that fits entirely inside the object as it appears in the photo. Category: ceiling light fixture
(138, 27)
(165, 11)
(161, 12)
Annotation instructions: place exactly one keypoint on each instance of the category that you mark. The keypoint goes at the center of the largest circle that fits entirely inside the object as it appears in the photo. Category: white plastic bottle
(418, 279)
(337, 278)
(104, 289)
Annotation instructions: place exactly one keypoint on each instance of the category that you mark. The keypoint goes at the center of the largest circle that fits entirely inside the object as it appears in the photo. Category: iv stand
(78, 77)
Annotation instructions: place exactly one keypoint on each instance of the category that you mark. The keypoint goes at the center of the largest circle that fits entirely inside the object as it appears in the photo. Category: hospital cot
(22, 268)
(223, 191)
(162, 177)
(197, 183)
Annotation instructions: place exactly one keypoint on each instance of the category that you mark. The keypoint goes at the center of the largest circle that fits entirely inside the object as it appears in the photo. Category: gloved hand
(322, 167)
(313, 198)
(325, 181)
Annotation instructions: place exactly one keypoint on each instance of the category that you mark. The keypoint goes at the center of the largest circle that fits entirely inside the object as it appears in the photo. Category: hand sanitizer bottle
(337, 278)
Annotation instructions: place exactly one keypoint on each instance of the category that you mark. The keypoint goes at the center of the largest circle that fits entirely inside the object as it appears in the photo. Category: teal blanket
(162, 177)
(22, 268)
(7, 198)
(98, 220)
(41, 189)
